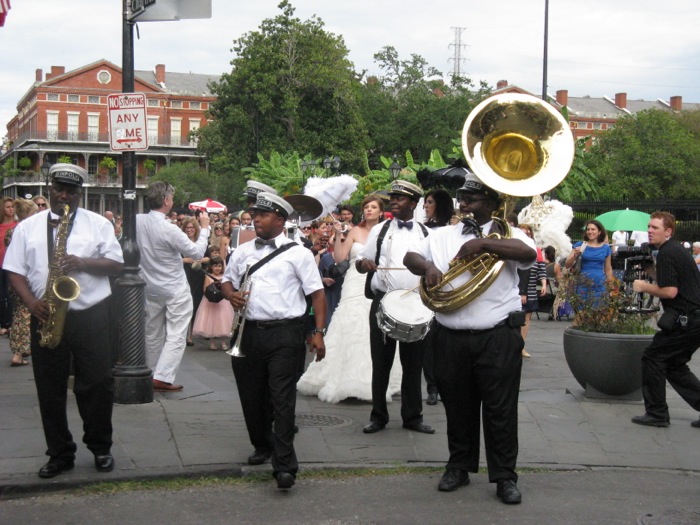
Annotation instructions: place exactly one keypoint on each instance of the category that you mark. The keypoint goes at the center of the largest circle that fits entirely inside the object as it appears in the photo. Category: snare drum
(403, 316)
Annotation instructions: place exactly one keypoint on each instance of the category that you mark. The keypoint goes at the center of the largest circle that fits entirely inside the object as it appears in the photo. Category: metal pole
(133, 380)
(544, 64)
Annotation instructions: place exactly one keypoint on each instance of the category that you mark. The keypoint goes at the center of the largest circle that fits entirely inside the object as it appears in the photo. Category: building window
(152, 131)
(153, 102)
(195, 105)
(73, 98)
(104, 76)
(92, 165)
(52, 125)
(194, 125)
(52, 97)
(93, 127)
(175, 131)
(92, 99)
(597, 125)
(73, 126)
(176, 104)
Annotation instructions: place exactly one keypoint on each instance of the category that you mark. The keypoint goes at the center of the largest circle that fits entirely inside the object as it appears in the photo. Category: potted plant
(108, 164)
(605, 343)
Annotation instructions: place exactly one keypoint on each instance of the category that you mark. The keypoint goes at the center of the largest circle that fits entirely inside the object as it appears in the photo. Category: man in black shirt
(667, 357)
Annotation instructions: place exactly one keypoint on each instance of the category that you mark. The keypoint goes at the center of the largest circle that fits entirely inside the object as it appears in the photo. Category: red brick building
(64, 115)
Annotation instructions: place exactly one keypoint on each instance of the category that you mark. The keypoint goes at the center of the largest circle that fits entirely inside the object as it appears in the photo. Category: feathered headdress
(330, 191)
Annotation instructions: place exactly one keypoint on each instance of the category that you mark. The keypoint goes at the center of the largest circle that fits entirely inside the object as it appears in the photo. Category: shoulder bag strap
(270, 256)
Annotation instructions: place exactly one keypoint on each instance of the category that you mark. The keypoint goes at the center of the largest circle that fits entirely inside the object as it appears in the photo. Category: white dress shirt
(279, 287)
(499, 299)
(91, 236)
(163, 245)
(394, 246)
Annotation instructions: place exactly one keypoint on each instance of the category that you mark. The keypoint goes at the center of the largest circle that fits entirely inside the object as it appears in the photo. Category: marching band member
(398, 235)
(273, 331)
(477, 352)
(92, 255)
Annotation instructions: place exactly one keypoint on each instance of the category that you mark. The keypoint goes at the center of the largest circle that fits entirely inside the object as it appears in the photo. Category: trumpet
(239, 318)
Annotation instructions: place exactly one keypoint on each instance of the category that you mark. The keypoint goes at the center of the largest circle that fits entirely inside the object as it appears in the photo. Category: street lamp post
(332, 163)
(395, 169)
(307, 166)
(45, 168)
(133, 383)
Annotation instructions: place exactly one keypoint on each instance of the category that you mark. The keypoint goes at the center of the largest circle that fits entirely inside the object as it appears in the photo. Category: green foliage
(281, 171)
(65, 159)
(647, 155)
(290, 89)
(108, 163)
(581, 183)
(193, 183)
(613, 312)
(150, 166)
(24, 163)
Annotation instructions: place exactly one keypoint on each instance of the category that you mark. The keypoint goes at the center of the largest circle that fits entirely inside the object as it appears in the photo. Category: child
(214, 320)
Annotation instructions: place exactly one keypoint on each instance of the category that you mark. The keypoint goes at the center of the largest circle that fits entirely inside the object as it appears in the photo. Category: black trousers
(267, 383)
(667, 358)
(85, 341)
(383, 350)
(428, 368)
(478, 377)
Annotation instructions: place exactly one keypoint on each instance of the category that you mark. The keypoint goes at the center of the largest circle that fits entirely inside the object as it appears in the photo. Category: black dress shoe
(452, 479)
(372, 427)
(432, 398)
(650, 421)
(258, 457)
(421, 427)
(285, 480)
(55, 466)
(507, 490)
(695, 424)
(104, 462)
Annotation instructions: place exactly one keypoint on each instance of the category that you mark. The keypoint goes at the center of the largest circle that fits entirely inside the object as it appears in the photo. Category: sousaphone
(519, 146)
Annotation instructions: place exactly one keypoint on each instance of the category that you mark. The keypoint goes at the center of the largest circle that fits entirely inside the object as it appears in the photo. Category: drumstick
(410, 291)
(387, 268)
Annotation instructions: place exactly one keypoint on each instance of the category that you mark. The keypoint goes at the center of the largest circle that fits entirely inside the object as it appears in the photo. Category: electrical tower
(457, 59)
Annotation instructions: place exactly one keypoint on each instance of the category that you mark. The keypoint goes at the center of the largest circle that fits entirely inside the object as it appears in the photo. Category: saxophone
(60, 289)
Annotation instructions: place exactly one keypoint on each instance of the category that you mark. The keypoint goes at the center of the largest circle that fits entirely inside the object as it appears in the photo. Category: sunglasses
(41, 204)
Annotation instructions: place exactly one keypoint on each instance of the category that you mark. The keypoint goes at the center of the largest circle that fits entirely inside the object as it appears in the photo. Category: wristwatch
(321, 331)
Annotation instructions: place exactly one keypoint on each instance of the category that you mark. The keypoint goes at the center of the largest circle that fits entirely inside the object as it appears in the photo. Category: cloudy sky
(645, 48)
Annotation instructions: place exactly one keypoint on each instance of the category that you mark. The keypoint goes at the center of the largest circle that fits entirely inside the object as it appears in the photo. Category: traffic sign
(127, 122)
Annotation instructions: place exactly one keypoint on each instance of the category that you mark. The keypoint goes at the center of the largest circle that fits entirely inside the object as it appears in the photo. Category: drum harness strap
(380, 240)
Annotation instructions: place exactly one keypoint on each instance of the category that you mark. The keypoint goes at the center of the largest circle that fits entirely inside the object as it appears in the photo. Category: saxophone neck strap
(51, 224)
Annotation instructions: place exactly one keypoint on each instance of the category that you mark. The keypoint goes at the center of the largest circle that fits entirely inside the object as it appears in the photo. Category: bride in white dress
(346, 370)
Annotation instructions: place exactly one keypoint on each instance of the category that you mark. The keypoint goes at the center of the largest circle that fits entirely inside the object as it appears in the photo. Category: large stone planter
(606, 365)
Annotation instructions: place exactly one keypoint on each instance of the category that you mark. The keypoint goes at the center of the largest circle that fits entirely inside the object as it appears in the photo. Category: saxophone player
(92, 254)
(477, 359)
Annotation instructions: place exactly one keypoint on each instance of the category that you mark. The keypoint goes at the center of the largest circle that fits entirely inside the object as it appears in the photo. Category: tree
(290, 89)
(647, 155)
(193, 183)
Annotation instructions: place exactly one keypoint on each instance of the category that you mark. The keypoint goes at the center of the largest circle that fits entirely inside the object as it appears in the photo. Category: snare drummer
(402, 232)
(477, 359)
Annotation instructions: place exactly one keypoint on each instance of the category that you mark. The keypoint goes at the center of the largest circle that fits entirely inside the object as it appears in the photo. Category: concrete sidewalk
(200, 431)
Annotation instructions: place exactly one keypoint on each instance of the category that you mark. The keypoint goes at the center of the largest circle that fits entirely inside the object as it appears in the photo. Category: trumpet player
(272, 333)
(477, 359)
(92, 254)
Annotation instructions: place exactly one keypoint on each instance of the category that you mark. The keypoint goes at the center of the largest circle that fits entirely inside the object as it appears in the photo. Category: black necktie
(404, 224)
(260, 243)
(470, 227)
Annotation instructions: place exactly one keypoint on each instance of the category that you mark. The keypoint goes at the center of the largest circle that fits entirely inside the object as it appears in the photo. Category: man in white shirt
(168, 298)
(92, 256)
(477, 356)
(274, 333)
(402, 232)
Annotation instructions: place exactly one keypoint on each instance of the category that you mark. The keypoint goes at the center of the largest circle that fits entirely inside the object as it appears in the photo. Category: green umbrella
(625, 220)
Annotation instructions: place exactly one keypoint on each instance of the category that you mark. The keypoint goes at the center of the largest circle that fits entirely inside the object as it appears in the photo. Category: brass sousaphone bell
(519, 146)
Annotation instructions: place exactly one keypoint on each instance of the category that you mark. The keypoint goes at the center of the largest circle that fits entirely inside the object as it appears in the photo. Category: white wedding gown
(346, 371)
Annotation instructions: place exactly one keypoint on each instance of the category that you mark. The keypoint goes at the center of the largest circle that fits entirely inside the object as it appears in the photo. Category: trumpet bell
(517, 144)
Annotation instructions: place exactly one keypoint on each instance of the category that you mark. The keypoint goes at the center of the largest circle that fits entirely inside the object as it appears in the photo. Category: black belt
(470, 331)
(263, 325)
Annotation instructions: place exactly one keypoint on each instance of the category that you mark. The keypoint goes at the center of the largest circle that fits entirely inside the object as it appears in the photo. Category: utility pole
(544, 60)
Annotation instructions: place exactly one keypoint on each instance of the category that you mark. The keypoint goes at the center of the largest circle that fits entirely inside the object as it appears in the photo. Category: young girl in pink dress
(214, 320)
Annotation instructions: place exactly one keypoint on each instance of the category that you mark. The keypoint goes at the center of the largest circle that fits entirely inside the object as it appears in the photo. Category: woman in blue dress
(596, 259)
